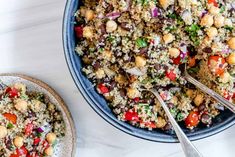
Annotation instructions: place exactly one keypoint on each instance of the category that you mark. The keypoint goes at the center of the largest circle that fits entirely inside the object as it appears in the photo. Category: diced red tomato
(136, 100)
(22, 151)
(45, 144)
(12, 92)
(33, 154)
(227, 95)
(216, 64)
(151, 125)
(79, 31)
(171, 75)
(152, 41)
(233, 95)
(28, 129)
(103, 89)
(36, 141)
(14, 155)
(213, 2)
(177, 60)
(11, 117)
(192, 120)
(131, 116)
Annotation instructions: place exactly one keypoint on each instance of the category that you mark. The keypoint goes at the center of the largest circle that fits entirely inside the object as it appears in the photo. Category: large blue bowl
(98, 103)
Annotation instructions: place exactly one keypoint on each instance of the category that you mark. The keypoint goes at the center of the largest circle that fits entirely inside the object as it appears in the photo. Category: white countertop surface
(31, 43)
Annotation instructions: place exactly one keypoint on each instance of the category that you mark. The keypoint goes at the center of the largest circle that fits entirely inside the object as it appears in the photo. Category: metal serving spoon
(210, 92)
(188, 148)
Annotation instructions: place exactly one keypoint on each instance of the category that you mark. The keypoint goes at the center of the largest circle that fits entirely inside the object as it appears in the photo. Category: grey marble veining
(31, 43)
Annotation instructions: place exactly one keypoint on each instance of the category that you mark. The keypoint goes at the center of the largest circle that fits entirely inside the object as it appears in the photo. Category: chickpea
(206, 41)
(51, 137)
(38, 106)
(207, 20)
(111, 26)
(198, 99)
(82, 11)
(219, 21)
(100, 73)
(133, 93)
(3, 132)
(87, 32)
(225, 77)
(231, 43)
(21, 105)
(165, 3)
(20, 87)
(168, 38)
(18, 141)
(190, 93)
(120, 79)
(174, 52)
(231, 59)
(214, 10)
(140, 61)
(212, 32)
(89, 15)
(107, 54)
(160, 122)
(49, 151)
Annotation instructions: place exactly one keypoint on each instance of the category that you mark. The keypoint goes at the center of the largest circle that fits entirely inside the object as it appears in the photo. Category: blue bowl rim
(114, 122)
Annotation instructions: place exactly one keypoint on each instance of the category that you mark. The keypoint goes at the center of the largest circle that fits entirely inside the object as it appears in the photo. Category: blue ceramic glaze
(97, 102)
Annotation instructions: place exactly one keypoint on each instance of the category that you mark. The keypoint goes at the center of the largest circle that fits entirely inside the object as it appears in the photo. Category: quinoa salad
(127, 45)
(30, 125)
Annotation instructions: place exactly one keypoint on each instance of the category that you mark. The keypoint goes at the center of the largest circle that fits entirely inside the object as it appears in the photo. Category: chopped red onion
(40, 130)
(204, 12)
(100, 16)
(113, 15)
(225, 51)
(154, 12)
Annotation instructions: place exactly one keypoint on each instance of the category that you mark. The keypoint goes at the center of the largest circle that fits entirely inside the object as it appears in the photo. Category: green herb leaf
(229, 28)
(141, 42)
(172, 16)
(222, 9)
(193, 33)
(180, 117)
(10, 126)
(173, 111)
(171, 28)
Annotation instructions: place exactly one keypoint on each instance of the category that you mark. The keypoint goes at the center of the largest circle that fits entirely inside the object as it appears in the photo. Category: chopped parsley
(173, 112)
(170, 28)
(10, 126)
(141, 42)
(193, 33)
(222, 9)
(110, 38)
(229, 28)
(180, 117)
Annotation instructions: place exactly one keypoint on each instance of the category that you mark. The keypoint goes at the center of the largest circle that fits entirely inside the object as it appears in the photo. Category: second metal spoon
(188, 148)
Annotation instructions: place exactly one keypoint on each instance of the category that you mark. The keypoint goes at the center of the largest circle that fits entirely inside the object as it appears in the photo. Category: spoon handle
(210, 92)
(188, 148)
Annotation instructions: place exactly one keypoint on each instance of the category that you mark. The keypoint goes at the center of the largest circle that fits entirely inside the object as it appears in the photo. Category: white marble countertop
(30, 43)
